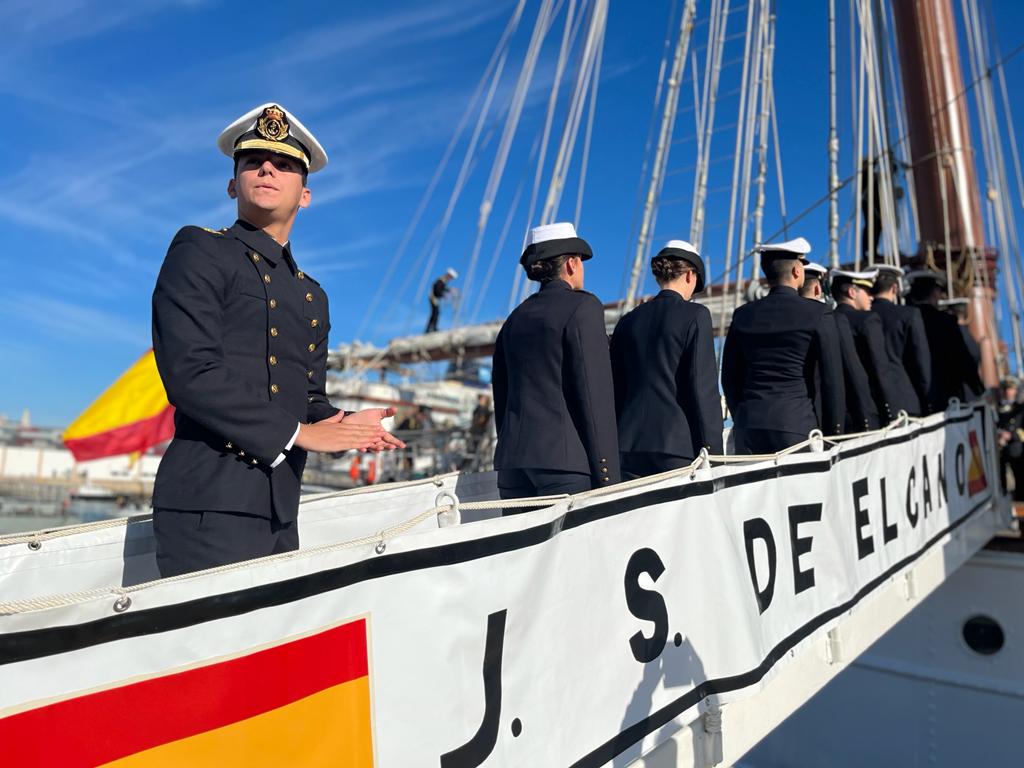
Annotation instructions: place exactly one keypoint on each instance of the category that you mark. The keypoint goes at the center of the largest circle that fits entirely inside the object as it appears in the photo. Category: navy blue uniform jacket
(240, 338)
(554, 405)
(906, 346)
(954, 370)
(666, 379)
(869, 338)
(861, 411)
(781, 366)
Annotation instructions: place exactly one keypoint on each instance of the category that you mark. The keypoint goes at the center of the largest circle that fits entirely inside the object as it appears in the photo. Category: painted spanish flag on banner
(303, 703)
(132, 415)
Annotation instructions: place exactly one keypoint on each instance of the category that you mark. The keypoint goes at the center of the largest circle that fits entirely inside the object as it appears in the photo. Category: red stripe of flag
(99, 727)
(137, 436)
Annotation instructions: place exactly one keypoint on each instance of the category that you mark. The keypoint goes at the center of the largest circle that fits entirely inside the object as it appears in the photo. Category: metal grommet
(122, 604)
(448, 517)
(381, 546)
(35, 545)
(817, 438)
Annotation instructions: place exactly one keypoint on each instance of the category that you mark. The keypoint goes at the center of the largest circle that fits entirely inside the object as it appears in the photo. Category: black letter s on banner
(646, 604)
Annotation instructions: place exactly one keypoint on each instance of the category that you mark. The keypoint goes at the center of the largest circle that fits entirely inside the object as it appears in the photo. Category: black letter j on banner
(477, 749)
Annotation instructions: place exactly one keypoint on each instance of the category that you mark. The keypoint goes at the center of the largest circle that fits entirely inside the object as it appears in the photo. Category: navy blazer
(554, 406)
(910, 362)
(869, 339)
(666, 379)
(954, 370)
(240, 339)
(861, 411)
(781, 366)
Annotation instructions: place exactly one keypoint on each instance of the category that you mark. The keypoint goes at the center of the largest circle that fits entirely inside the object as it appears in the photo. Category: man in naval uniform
(861, 412)
(960, 310)
(666, 378)
(906, 345)
(953, 369)
(852, 292)
(554, 405)
(240, 338)
(781, 369)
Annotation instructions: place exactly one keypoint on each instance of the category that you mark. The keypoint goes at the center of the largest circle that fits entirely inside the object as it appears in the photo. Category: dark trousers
(524, 483)
(750, 441)
(646, 463)
(435, 314)
(189, 541)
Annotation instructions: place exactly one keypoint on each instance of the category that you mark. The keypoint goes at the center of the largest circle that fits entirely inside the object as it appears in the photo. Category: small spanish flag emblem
(305, 702)
(976, 482)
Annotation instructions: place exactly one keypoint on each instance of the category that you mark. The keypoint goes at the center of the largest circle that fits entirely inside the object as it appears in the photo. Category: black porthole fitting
(984, 635)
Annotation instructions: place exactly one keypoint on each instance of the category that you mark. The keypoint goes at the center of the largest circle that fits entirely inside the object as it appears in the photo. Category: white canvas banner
(579, 634)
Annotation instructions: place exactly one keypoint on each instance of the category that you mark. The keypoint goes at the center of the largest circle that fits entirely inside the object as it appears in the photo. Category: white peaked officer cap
(451, 273)
(864, 279)
(791, 249)
(888, 269)
(681, 250)
(269, 127)
(814, 269)
(550, 240)
(926, 275)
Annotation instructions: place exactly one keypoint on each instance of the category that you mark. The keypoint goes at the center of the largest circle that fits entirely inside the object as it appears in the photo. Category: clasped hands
(361, 431)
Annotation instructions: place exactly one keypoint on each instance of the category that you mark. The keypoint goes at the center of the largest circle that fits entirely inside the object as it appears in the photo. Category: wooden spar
(940, 144)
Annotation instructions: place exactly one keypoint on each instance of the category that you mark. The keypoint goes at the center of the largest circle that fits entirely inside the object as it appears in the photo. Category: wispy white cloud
(398, 29)
(67, 320)
(60, 21)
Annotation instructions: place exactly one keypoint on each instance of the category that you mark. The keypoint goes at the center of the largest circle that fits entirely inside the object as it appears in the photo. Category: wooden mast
(945, 178)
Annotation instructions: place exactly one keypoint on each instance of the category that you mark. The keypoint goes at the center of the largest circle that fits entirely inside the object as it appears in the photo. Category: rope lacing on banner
(122, 599)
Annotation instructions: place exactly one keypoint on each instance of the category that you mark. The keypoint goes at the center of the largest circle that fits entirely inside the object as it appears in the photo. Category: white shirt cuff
(280, 456)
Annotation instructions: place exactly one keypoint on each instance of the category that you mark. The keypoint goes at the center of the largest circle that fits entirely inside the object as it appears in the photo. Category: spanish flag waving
(132, 415)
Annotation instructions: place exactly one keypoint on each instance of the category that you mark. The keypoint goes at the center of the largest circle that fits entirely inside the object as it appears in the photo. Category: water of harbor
(23, 515)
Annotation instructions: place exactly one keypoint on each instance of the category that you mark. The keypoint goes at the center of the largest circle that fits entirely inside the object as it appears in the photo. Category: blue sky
(113, 110)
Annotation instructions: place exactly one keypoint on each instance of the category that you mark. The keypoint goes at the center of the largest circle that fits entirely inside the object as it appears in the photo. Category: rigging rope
(428, 193)
(661, 155)
(508, 134)
(569, 34)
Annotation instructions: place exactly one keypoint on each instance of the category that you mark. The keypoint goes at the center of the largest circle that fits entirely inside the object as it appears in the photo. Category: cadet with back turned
(781, 369)
(861, 412)
(666, 378)
(554, 405)
(906, 344)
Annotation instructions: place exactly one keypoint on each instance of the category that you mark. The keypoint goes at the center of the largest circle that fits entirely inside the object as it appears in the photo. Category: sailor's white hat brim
(550, 240)
(228, 139)
(865, 279)
(814, 269)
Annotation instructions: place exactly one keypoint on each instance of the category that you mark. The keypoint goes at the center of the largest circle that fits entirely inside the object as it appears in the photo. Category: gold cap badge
(272, 124)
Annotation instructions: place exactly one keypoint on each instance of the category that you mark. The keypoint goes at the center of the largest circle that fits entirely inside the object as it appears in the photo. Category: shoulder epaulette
(214, 231)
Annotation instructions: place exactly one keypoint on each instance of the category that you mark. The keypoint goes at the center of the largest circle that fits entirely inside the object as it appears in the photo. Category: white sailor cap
(550, 240)
(919, 275)
(681, 250)
(813, 269)
(451, 273)
(865, 279)
(961, 302)
(797, 249)
(270, 127)
(888, 269)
